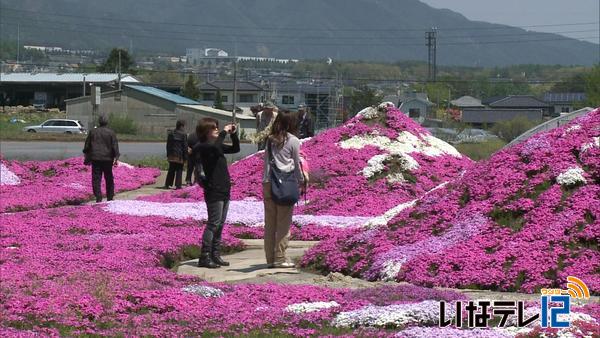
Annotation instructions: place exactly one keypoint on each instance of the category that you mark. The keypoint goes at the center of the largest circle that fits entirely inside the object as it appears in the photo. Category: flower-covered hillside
(525, 219)
(377, 160)
(33, 184)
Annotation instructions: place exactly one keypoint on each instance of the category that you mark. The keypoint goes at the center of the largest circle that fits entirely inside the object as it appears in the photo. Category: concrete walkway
(146, 190)
(248, 264)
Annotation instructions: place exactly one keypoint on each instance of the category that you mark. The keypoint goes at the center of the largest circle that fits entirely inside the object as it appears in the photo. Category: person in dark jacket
(305, 127)
(216, 182)
(101, 149)
(191, 165)
(177, 154)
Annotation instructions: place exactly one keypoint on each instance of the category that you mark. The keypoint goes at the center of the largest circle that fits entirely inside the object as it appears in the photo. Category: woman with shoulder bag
(282, 182)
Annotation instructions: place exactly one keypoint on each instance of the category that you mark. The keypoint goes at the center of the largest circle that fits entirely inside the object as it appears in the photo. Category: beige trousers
(278, 219)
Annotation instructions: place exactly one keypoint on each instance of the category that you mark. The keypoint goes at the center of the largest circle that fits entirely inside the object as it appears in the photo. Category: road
(60, 150)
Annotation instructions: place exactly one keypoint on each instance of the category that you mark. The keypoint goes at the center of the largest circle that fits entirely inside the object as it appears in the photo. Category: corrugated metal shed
(228, 85)
(467, 101)
(564, 97)
(223, 113)
(519, 101)
(64, 78)
(163, 94)
(497, 115)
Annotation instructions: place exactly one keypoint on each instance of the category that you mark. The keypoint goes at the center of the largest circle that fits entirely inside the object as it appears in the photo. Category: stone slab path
(146, 190)
(248, 264)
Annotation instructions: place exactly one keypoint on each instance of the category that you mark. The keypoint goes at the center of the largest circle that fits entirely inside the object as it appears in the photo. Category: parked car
(58, 126)
(39, 105)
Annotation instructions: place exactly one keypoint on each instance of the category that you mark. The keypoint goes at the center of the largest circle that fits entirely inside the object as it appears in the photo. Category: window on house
(287, 99)
(565, 110)
(224, 98)
(208, 97)
(246, 98)
(414, 113)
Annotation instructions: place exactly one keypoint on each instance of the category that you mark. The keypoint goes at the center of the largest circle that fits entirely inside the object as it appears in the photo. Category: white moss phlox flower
(125, 165)
(375, 165)
(391, 269)
(396, 178)
(426, 312)
(405, 143)
(310, 307)
(388, 215)
(408, 162)
(368, 113)
(203, 290)
(572, 128)
(595, 143)
(359, 142)
(247, 212)
(7, 177)
(572, 176)
(385, 105)
(76, 186)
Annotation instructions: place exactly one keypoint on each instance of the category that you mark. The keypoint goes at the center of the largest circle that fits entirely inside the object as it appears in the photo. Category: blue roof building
(152, 110)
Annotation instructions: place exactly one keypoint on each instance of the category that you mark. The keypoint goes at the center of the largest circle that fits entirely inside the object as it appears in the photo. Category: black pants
(175, 173)
(211, 239)
(100, 168)
(191, 165)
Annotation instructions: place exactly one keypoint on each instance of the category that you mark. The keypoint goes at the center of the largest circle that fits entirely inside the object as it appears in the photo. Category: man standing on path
(264, 120)
(102, 151)
(306, 127)
(191, 165)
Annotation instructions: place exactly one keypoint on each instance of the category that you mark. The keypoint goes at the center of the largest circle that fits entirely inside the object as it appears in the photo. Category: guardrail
(549, 125)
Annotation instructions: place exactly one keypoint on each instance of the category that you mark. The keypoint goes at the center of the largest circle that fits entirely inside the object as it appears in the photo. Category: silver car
(58, 126)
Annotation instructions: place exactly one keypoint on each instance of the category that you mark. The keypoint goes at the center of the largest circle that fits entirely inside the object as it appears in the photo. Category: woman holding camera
(209, 152)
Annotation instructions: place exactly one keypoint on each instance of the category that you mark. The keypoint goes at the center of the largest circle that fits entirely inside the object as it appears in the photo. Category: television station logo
(554, 312)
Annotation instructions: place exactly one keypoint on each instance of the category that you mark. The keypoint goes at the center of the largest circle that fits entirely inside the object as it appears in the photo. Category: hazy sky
(532, 12)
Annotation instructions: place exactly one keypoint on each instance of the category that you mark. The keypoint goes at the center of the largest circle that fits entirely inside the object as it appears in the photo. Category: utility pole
(234, 89)
(431, 37)
(119, 80)
(18, 41)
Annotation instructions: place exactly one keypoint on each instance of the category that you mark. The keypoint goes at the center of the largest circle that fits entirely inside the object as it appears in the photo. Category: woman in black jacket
(177, 154)
(209, 152)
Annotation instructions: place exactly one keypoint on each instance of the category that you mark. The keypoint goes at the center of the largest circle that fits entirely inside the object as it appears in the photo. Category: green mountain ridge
(371, 30)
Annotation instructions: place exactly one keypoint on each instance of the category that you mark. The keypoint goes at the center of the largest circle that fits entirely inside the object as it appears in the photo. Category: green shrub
(509, 130)
(480, 151)
(122, 124)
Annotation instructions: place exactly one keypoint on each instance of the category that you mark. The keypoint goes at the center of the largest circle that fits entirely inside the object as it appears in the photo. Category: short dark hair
(103, 120)
(205, 126)
(180, 124)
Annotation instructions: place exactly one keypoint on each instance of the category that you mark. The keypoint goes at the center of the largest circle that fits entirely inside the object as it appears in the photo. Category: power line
(346, 79)
(81, 17)
(320, 37)
(295, 42)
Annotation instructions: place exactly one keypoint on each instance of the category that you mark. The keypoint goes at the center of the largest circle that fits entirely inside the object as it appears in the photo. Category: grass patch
(508, 218)
(480, 151)
(150, 161)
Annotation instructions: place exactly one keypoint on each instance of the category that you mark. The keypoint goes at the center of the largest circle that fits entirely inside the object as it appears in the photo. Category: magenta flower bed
(32, 184)
(82, 270)
(525, 219)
